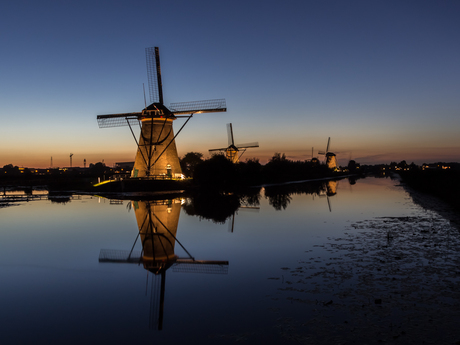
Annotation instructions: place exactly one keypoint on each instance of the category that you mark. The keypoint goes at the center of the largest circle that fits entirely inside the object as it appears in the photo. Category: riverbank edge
(421, 190)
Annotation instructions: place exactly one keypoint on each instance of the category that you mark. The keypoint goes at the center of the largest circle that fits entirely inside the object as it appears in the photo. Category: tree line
(219, 173)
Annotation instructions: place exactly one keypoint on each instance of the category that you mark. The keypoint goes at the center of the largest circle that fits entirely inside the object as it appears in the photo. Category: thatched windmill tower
(156, 155)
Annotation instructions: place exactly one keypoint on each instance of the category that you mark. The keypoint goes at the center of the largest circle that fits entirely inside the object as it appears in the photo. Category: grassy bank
(445, 184)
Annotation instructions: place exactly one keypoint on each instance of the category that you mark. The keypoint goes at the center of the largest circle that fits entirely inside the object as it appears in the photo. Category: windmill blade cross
(328, 142)
(156, 121)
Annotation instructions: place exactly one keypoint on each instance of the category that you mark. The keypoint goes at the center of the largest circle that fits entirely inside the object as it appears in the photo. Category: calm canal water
(338, 263)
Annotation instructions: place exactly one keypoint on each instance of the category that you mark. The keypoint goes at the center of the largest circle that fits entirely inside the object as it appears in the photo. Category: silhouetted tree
(278, 157)
(189, 162)
(10, 170)
(413, 166)
(277, 169)
(249, 172)
(402, 165)
(393, 166)
(352, 165)
(216, 173)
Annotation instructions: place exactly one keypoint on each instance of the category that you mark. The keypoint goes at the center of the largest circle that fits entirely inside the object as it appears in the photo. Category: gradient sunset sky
(381, 78)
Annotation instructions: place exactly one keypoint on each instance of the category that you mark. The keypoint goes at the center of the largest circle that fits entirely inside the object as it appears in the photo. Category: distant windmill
(156, 148)
(314, 160)
(71, 159)
(331, 159)
(232, 151)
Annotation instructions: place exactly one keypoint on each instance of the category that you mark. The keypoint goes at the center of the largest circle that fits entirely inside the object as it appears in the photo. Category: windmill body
(331, 158)
(231, 153)
(234, 152)
(157, 144)
(156, 156)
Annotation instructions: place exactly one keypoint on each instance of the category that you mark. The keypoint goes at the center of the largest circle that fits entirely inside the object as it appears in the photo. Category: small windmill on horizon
(232, 151)
(156, 155)
(331, 158)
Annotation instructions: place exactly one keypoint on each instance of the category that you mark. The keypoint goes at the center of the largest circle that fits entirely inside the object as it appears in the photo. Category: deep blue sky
(381, 78)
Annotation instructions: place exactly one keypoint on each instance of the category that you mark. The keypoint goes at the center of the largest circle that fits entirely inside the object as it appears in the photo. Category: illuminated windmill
(157, 221)
(156, 148)
(331, 158)
(232, 151)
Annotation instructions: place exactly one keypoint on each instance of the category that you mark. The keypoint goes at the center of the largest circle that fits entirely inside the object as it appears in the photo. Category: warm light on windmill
(157, 153)
(331, 158)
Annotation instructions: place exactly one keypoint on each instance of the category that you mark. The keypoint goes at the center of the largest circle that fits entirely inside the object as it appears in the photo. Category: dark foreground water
(337, 264)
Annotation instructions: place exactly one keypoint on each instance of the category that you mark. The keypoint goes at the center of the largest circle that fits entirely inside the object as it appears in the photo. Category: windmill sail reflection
(157, 222)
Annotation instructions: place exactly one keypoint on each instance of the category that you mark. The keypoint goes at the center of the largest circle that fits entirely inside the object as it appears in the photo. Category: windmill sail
(118, 120)
(221, 149)
(230, 134)
(152, 56)
(156, 156)
(177, 109)
(244, 146)
(197, 107)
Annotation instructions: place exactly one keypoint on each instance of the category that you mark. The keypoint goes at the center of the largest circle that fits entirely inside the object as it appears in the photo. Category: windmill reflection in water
(157, 222)
(330, 190)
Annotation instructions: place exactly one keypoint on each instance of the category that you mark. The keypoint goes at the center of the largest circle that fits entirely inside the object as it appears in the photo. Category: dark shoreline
(431, 202)
(443, 184)
(87, 185)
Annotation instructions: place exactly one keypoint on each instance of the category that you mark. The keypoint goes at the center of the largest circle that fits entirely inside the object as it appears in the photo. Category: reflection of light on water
(23, 193)
(262, 244)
